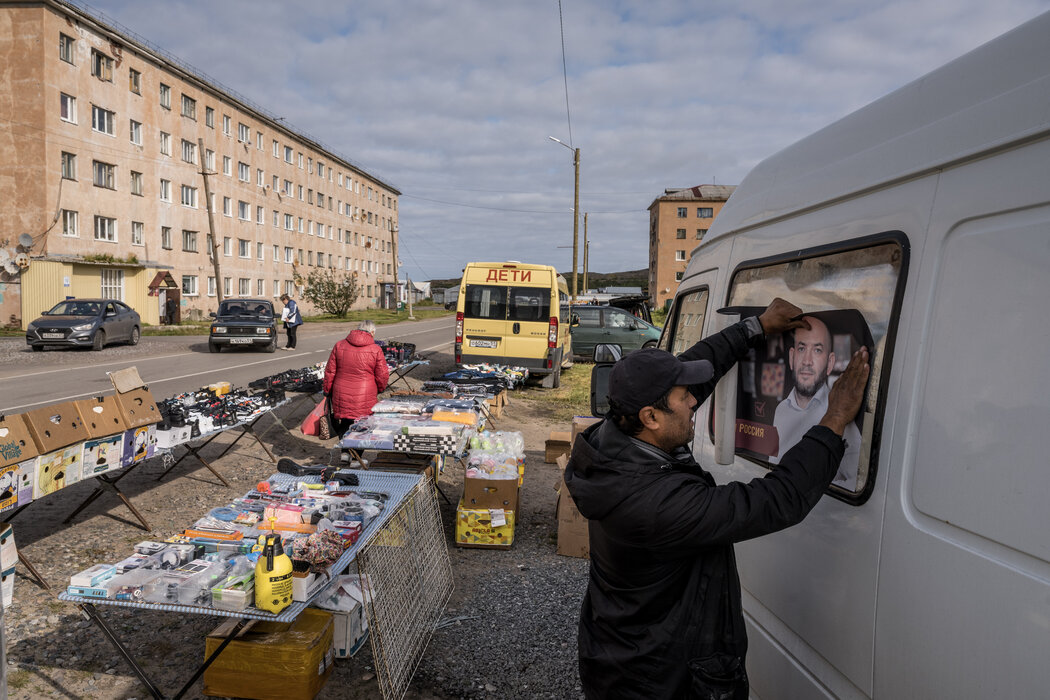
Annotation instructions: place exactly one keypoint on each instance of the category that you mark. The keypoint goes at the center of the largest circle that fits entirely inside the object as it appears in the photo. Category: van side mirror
(607, 353)
(574, 320)
(600, 389)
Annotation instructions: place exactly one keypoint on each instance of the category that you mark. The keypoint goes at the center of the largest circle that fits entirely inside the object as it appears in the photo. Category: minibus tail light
(459, 326)
(552, 333)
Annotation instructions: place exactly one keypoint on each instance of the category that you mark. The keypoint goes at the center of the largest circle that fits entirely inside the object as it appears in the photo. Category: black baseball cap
(642, 377)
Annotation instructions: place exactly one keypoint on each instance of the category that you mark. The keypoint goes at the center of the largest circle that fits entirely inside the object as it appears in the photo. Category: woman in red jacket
(355, 374)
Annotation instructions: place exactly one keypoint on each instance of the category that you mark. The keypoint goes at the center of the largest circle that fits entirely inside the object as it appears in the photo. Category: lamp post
(575, 213)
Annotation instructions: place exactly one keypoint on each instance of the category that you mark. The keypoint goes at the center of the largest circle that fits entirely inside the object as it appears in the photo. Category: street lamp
(575, 213)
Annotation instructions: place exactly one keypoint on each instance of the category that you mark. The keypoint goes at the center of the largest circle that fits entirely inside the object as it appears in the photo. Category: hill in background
(596, 280)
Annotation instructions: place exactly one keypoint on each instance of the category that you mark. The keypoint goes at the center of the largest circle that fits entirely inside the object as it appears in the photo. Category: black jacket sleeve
(722, 350)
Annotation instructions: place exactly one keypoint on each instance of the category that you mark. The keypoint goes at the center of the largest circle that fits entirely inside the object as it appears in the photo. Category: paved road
(172, 364)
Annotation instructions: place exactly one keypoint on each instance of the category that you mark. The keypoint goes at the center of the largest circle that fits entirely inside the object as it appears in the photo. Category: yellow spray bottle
(273, 575)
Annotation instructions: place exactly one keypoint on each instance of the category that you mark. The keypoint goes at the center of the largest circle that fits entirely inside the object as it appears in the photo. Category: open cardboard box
(101, 416)
(557, 444)
(56, 426)
(16, 442)
(136, 403)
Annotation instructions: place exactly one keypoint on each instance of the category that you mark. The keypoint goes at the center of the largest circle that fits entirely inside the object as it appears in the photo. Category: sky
(452, 101)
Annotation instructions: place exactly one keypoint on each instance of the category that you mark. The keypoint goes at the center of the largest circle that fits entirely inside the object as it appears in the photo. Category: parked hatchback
(85, 323)
(608, 324)
(243, 323)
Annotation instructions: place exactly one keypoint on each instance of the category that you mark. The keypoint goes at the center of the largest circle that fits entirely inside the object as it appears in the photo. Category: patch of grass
(383, 316)
(182, 329)
(55, 606)
(660, 316)
(18, 679)
(572, 398)
(12, 333)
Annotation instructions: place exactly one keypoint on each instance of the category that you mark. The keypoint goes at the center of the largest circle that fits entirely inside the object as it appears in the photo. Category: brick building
(103, 139)
(678, 221)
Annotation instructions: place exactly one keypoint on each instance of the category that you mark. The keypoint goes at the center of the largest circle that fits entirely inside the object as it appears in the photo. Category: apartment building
(678, 221)
(112, 154)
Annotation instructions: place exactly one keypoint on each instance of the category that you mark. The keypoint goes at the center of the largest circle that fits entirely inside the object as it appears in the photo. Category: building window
(704, 212)
(289, 223)
(244, 172)
(259, 177)
(680, 234)
(244, 134)
(189, 196)
(682, 212)
(165, 190)
(258, 144)
(259, 251)
(209, 159)
(105, 229)
(300, 161)
(678, 276)
(260, 287)
(165, 143)
(244, 211)
(69, 166)
(134, 81)
(189, 151)
(227, 206)
(300, 190)
(227, 246)
(69, 223)
(679, 255)
(65, 48)
(112, 286)
(103, 174)
(700, 233)
(260, 213)
(288, 187)
(136, 183)
(276, 149)
(101, 66)
(189, 107)
(288, 254)
(310, 257)
(226, 124)
(68, 109)
(189, 285)
(276, 218)
(244, 286)
(102, 120)
(135, 131)
(227, 286)
(165, 237)
(287, 154)
(211, 286)
(189, 241)
(209, 117)
(136, 233)
(227, 165)
(165, 96)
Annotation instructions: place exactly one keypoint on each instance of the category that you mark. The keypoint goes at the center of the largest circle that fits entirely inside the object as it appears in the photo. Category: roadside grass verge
(572, 398)
(383, 316)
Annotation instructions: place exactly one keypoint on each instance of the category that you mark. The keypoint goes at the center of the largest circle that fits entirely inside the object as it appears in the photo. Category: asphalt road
(173, 364)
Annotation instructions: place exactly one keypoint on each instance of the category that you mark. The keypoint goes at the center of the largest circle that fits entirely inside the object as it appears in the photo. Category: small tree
(331, 293)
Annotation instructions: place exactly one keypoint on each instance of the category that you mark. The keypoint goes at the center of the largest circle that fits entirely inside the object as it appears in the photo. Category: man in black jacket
(662, 616)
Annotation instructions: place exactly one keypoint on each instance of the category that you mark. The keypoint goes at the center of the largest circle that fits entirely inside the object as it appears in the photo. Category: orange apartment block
(103, 139)
(678, 221)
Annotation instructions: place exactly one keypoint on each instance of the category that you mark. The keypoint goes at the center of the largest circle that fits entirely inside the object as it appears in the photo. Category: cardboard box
(8, 487)
(557, 444)
(58, 469)
(101, 416)
(272, 660)
(139, 444)
(56, 426)
(490, 493)
(485, 528)
(16, 442)
(136, 403)
(349, 632)
(102, 455)
(26, 479)
(579, 424)
(573, 528)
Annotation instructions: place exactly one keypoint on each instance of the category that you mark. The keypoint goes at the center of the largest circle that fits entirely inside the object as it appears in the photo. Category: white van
(922, 219)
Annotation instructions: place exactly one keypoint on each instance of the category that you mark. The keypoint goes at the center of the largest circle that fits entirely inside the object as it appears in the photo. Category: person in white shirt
(810, 357)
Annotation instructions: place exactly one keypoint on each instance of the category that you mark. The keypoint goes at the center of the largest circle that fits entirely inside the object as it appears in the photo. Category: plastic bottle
(273, 576)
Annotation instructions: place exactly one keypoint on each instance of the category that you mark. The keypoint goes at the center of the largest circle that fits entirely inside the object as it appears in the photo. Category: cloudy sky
(452, 101)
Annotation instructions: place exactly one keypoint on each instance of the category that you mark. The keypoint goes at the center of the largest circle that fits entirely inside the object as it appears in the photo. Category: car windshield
(245, 308)
(72, 307)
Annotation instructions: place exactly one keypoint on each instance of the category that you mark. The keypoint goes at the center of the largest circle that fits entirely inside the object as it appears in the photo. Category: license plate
(483, 343)
(240, 341)
(57, 336)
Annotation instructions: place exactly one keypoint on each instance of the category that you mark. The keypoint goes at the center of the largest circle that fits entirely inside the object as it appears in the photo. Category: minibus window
(849, 298)
(529, 304)
(687, 321)
(485, 301)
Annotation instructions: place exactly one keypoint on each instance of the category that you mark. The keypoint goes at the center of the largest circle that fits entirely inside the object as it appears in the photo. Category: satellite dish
(22, 260)
(11, 267)
(25, 240)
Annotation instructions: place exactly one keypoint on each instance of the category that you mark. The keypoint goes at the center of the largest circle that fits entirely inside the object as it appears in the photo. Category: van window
(686, 321)
(590, 316)
(529, 304)
(850, 298)
(485, 301)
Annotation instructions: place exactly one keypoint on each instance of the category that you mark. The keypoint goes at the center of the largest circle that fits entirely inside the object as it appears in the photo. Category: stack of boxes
(573, 535)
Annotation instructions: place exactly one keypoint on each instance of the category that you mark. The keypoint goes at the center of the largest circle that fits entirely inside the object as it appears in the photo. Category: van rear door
(485, 323)
(528, 318)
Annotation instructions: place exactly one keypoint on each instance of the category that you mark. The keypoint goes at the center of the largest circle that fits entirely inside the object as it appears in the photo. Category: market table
(397, 486)
(401, 371)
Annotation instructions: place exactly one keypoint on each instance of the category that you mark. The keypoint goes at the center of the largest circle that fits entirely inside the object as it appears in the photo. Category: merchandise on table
(306, 380)
(396, 352)
(496, 455)
(513, 377)
(190, 415)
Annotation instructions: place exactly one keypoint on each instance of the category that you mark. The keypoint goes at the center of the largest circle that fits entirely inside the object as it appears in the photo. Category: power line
(516, 211)
(564, 70)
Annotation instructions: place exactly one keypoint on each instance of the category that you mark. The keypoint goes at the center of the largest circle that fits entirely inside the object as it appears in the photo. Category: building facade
(678, 221)
(110, 154)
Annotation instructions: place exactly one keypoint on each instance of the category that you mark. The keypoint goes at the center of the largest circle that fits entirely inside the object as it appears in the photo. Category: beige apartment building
(678, 221)
(104, 146)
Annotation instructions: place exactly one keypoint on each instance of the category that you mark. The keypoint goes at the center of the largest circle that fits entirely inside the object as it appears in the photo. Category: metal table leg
(111, 482)
(195, 451)
(40, 580)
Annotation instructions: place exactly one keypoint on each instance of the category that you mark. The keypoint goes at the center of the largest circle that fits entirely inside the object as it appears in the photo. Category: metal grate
(409, 582)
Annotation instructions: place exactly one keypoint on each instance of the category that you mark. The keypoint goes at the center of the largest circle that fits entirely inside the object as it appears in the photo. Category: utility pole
(408, 286)
(575, 224)
(211, 223)
(393, 243)
(586, 249)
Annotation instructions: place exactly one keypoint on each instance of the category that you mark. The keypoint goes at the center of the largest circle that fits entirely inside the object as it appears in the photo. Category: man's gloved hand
(781, 316)
(846, 395)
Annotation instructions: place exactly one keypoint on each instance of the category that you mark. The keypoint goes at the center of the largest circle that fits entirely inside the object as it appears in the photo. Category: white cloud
(452, 102)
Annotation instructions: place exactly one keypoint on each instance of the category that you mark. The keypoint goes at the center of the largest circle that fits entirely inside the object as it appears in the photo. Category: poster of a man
(811, 357)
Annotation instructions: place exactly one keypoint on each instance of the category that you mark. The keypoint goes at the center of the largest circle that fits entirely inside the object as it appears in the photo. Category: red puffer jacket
(356, 372)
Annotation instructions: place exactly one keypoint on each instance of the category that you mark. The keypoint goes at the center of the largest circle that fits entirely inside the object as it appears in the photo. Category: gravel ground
(510, 627)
